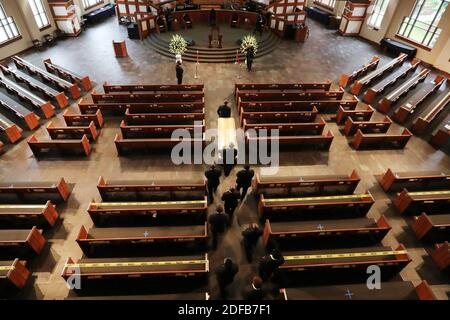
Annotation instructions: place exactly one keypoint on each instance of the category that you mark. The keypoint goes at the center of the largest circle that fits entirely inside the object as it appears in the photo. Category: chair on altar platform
(187, 21)
(234, 23)
(161, 23)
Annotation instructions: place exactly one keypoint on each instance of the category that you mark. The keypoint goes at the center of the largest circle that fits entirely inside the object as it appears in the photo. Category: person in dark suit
(254, 290)
(224, 111)
(230, 199)
(244, 180)
(218, 222)
(249, 56)
(250, 239)
(260, 23)
(225, 275)
(269, 264)
(229, 156)
(179, 71)
(213, 180)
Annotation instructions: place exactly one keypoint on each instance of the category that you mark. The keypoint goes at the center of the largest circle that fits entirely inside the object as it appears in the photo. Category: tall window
(422, 24)
(379, 9)
(8, 27)
(39, 13)
(328, 3)
(91, 3)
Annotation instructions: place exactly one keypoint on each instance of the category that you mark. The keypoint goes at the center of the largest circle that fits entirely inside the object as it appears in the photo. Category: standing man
(229, 156)
(269, 264)
(218, 222)
(249, 56)
(225, 275)
(230, 199)
(179, 71)
(244, 180)
(254, 290)
(250, 238)
(213, 180)
(224, 111)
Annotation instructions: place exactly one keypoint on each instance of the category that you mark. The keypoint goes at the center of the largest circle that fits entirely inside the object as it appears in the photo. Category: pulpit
(215, 38)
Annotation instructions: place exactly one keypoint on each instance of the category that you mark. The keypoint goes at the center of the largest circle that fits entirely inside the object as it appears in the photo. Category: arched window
(39, 13)
(8, 27)
(90, 3)
(377, 15)
(327, 3)
(421, 26)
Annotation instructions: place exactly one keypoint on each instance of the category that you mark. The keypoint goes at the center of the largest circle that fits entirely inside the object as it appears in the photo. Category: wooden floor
(324, 56)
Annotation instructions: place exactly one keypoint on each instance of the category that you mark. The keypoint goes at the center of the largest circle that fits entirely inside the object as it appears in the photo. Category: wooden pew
(320, 142)
(130, 88)
(13, 275)
(397, 290)
(289, 129)
(143, 241)
(413, 203)
(390, 80)
(418, 180)
(159, 107)
(28, 117)
(441, 136)
(352, 126)
(160, 131)
(279, 186)
(38, 104)
(385, 104)
(178, 189)
(119, 214)
(27, 216)
(422, 123)
(347, 79)
(380, 140)
(341, 266)
(411, 106)
(72, 119)
(62, 72)
(359, 84)
(435, 228)
(163, 118)
(34, 191)
(289, 96)
(277, 117)
(441, 256)
(34, 84)
(47, 76)
(126, 146)
(40, 148)
(324, 233)
(58, 132)
(21, 243)
(357, 114)
(10, 129)
(147, 97)
(323, 106)
(115, 275)
(315, 208)
(282, 86)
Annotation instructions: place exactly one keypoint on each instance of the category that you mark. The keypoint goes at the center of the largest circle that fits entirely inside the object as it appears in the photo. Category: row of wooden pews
(319, 224)
(426, 197)
(292, 109)
(27, 210)
(154, 247)
(73, 139)
(31, 93)
(422, 123)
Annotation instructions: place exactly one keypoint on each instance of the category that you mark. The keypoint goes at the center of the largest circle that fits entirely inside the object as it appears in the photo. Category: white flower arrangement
(249, 41)
(177, 45)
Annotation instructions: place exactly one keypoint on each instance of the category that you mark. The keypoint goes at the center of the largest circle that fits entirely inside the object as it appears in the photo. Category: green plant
(177, 44)
(249, 41)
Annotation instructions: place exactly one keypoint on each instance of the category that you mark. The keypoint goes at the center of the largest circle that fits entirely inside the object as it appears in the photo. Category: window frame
(432, 31)
(87, 5)
(381, 13)
(329, 4)
(40, 14)
(6, 23)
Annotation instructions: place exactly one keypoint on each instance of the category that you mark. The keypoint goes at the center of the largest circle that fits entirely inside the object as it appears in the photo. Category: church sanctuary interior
(224, 150)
